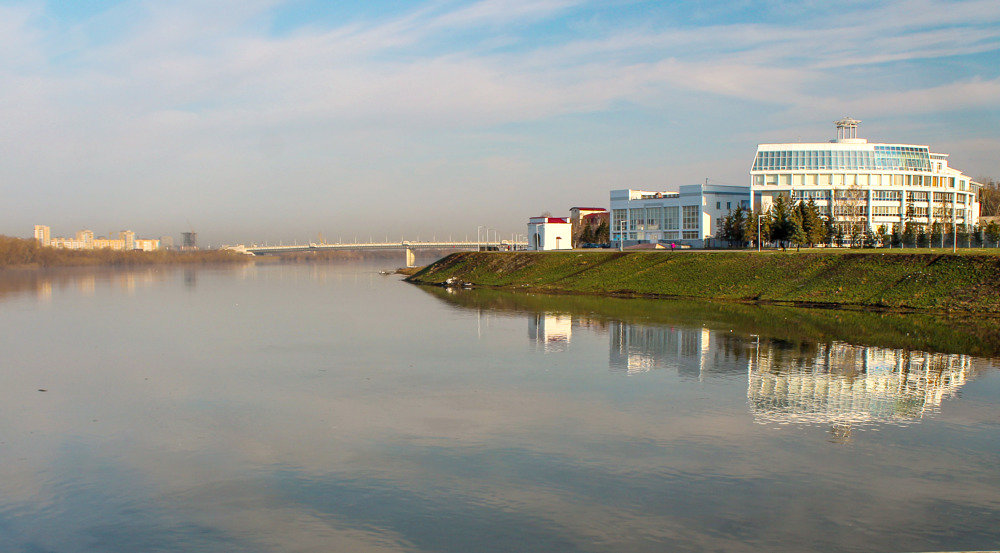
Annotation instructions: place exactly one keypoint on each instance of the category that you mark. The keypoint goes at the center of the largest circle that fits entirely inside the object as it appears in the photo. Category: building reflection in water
(550, 332)
(836, 384)
(690, 351)
(86, 282)
(843, 384)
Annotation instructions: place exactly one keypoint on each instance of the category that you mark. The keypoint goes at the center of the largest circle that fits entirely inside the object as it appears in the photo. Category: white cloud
(186, 95)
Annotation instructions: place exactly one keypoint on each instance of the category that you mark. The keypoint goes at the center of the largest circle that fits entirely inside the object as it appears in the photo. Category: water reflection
(45, 284)
(311, 408)
(832, 383)
(843, 384)
(550, 332)
(693, 352)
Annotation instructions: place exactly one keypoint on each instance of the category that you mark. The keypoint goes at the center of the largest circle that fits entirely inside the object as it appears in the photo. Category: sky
(252, 121)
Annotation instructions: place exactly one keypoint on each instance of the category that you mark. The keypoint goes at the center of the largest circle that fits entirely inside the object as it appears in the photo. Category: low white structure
(549, 233)
(688, 216)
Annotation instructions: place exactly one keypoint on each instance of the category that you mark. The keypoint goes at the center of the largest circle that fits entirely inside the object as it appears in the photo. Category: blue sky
(277, 120)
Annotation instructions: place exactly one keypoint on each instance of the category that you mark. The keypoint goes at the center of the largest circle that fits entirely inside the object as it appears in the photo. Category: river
(295, 408)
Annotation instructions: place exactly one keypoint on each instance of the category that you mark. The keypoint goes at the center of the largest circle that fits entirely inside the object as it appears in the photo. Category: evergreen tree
(993, 232)
(799, 234)
(750, 226)
(813, 223)
(782, 224)
(603, 233)
(736, 226)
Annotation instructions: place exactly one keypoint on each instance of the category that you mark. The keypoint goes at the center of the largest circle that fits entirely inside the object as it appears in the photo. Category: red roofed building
(549, 233)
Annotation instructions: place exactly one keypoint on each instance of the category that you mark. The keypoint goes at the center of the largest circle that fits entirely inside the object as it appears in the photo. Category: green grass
(897, 279)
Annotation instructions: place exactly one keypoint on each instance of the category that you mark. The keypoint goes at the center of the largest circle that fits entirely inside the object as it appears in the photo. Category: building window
(690, 216)
(690, 235)
(635, 217)
(671, 218)
(654, 216)
(886, 195)
(617, 218)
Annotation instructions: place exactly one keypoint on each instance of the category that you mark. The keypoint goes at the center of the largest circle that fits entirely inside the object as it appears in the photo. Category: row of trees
(785, 223)
(601, 234)
(801, 224)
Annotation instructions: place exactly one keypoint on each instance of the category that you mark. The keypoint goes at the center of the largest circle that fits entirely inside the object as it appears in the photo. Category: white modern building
(688, 216)
(865, 185)
(549, 233)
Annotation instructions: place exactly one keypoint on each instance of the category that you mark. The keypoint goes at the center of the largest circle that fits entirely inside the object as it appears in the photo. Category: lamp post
(759, 219)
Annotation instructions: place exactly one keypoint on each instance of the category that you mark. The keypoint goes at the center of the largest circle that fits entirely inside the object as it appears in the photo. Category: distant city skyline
(268, 120)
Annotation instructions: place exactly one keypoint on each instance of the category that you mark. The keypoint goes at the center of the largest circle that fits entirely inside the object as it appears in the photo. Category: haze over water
(327, 408)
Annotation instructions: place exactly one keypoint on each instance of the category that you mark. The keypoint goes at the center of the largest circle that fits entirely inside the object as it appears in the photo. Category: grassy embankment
(26, 253)
(967, 282)
(968, 333)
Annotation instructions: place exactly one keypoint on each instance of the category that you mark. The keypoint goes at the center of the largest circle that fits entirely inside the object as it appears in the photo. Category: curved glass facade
(879, 158)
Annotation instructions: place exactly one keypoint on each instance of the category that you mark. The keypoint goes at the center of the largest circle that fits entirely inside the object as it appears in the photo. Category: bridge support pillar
(411, 260)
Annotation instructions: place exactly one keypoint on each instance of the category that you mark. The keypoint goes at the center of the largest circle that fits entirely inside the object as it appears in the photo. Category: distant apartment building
(85, 240)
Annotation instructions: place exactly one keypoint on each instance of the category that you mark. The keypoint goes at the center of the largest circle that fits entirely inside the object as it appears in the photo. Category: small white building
(550, 233)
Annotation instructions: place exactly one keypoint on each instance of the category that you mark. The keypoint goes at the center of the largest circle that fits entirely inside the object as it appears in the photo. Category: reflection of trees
(800, 328)
(843, 384)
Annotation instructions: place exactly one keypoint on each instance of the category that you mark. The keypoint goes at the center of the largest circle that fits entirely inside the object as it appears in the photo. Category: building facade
(549, 233)
(85, 240)
(689, 216)
(863, 185)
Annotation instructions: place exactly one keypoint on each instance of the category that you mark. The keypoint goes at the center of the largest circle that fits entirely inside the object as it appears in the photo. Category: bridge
(408, 246)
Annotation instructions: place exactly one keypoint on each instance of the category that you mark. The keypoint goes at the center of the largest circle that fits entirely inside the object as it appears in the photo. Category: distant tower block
(190, 240)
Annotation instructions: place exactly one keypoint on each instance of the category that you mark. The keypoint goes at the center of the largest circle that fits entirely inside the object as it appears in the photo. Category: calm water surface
(327, 408)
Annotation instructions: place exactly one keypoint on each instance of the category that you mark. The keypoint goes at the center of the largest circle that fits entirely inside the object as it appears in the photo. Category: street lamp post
(759, 219)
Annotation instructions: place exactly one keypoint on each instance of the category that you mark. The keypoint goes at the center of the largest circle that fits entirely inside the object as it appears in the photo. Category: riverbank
(962, 333)
(26, 254)
(932, 282)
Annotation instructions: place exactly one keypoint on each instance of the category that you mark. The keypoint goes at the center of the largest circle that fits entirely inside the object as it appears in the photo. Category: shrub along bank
(899, 281)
